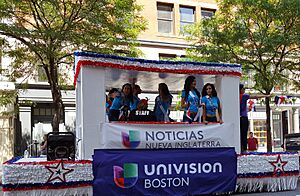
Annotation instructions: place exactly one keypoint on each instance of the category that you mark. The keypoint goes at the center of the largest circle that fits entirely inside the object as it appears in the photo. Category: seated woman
(163, 103)
(136, 90)
(112, 94)
(212, 110)
(121, 104)
(142, 113)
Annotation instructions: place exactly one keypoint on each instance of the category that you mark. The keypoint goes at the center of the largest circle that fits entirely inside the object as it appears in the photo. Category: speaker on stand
(60, 146)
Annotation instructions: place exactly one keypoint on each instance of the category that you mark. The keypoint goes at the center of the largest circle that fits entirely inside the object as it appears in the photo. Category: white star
(58, 172)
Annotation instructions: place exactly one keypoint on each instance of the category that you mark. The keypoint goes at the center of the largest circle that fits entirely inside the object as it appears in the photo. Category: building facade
(163, 39)
(166, 19)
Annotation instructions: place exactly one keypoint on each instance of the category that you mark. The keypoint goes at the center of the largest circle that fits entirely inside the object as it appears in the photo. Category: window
(165, 18)
(166, 56)
(207, 13)
(187, 16)
(43, 112)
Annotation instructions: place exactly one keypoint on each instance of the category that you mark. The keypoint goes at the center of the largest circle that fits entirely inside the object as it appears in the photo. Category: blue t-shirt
(136, 101)
(243, 105)
(192, 99)
(160, 116)
(211, 104)
(118, 102)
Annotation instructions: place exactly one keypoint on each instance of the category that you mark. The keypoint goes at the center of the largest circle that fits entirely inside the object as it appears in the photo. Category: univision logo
(131, 140)
(127, 176)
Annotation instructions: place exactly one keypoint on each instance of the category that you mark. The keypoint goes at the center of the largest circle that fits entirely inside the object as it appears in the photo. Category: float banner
(150, 136)
(164, 171)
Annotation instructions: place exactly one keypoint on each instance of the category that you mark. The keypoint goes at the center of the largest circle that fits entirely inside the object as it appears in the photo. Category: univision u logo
(127, 176)
(131, 139)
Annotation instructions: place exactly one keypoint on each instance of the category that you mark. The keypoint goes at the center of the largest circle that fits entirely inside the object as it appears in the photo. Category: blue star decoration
(278, 165)
(58, 172)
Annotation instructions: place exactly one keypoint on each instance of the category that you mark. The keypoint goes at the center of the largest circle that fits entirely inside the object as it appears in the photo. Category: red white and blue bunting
(135, 64)
(47, 177)
(281, 99)
(267, 172)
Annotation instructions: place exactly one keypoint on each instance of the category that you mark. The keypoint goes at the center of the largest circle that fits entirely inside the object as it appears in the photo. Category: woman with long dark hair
(190, 101)
(163, 103)
(212, 110)
(121, 104)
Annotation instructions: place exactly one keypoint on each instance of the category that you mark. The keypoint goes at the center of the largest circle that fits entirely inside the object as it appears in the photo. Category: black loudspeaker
(60, 145)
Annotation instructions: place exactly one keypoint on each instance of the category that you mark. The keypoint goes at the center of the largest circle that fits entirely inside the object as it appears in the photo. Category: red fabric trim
(240, 155)
(151, 69)
(54, 162)
(45, 187)
(7, 162)
(78, 67)
(160, 123)
(241, 97)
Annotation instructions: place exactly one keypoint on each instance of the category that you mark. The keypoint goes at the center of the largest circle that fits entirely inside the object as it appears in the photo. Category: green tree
(46, 33)
(262, 35)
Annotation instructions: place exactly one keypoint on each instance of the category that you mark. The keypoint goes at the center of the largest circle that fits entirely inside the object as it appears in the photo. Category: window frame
(186, 22)
(171, 19)
(207, 10)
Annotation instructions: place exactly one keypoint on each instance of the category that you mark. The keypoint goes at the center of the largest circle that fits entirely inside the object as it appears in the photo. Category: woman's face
(209, 90)
(193, 85)
(126, 90)
(114, 94)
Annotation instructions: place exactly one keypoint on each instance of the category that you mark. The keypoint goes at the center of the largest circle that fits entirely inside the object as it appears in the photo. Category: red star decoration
(58, 172)
(278, 165)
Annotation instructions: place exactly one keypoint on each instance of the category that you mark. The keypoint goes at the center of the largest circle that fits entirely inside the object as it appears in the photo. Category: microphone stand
(29, 147)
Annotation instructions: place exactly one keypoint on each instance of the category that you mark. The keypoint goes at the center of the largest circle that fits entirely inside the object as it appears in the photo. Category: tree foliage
(262, 35)
(46, 33)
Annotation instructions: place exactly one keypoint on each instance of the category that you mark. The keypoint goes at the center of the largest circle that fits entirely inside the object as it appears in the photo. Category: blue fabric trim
(54, 184)
(14, 159)
(261, 174)
(97, 55)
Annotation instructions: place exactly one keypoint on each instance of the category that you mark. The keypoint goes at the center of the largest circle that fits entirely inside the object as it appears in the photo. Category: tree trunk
(58, 107)
(268, 125)
(52, 74)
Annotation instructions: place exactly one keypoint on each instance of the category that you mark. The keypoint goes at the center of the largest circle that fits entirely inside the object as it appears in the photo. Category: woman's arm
(183, 103)
(155, 104)
(44, 146)
(258, 96)
(204, 114)
(220, 112)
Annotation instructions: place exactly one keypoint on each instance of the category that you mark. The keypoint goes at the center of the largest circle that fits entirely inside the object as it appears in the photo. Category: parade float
(127, 158)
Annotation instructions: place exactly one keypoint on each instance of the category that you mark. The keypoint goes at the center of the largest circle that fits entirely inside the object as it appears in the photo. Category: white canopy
(95, 73)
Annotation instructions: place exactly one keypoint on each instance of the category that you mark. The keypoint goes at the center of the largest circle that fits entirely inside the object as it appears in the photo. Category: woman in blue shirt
(163, 103)
(136, 91)
(212, 111)
(190, 101)
(121, 104)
